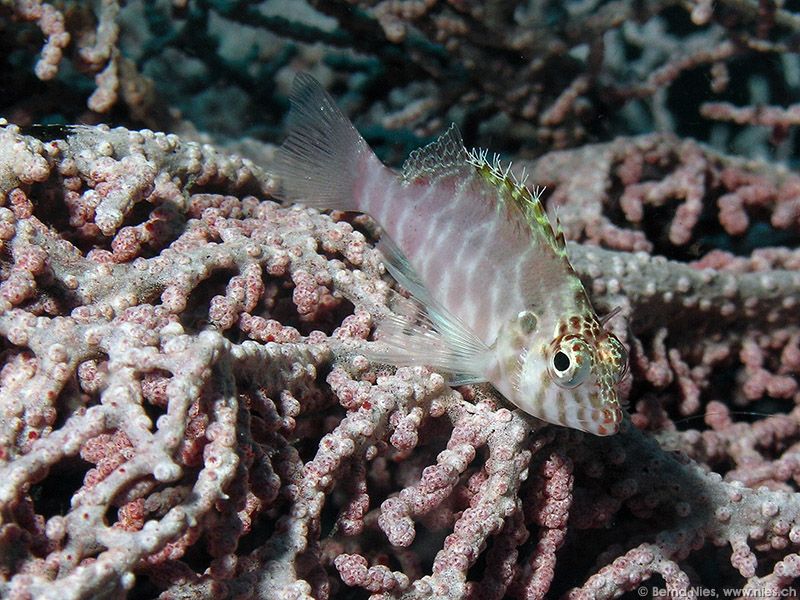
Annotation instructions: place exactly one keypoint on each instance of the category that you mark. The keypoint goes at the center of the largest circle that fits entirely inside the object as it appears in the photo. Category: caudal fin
(323, 154)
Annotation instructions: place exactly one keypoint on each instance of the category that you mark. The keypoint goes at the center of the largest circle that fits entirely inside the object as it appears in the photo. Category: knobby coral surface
(519, 75)
(184, 412)
(184, 408)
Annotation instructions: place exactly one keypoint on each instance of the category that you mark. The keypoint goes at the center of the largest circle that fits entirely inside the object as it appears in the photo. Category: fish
(493, 295)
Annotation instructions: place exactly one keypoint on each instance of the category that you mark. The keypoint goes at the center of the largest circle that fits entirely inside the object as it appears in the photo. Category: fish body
(495, 296)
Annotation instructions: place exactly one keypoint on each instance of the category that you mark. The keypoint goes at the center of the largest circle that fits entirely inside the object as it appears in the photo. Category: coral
(185, 412)
(519, 77)
(76, 41)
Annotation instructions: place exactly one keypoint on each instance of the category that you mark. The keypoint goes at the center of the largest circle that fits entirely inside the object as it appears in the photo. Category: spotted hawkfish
(496, 297)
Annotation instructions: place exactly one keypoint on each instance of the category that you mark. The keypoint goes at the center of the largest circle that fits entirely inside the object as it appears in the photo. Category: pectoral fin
(423, 332)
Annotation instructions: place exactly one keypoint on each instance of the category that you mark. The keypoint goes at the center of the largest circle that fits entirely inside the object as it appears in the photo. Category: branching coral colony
(534, 75)
(185, 410)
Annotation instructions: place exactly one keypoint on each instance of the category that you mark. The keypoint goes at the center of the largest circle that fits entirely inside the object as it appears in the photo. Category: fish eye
(561, 361)
(570, 363)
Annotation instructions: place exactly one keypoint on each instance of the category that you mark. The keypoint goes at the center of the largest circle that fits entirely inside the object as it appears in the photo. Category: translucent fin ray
(422, 331)
(318, 162)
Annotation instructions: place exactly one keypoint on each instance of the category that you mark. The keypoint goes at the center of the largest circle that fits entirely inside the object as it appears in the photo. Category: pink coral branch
(183, 381)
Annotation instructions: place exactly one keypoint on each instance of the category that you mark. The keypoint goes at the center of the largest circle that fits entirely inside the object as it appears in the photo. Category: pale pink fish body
(477, 252)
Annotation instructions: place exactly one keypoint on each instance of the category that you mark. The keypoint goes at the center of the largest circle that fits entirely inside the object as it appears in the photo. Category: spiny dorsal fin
(519, 199)
(440, 157)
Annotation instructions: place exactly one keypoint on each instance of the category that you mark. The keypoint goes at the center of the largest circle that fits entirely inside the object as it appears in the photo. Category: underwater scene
(399, 299)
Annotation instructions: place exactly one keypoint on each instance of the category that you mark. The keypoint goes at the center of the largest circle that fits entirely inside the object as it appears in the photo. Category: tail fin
(319, 161)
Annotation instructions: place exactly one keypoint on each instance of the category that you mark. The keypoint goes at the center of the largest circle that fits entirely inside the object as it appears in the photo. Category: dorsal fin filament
(518, 196)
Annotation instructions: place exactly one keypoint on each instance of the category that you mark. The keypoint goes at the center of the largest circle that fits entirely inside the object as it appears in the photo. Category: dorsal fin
(522, 202)
(442, 156)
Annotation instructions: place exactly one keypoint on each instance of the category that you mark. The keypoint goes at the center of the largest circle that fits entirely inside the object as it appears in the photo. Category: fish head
(584, 370)
(568, 374)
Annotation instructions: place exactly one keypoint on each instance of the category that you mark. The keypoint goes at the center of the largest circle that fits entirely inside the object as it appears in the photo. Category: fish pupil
(561, 361)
